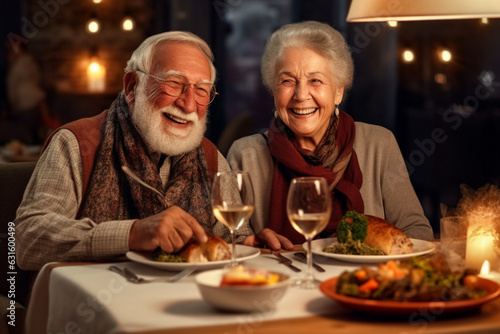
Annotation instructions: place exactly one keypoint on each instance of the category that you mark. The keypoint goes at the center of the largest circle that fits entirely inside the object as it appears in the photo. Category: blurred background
(435, 84)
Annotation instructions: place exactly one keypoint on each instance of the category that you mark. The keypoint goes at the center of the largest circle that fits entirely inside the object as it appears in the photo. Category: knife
(287, 262)
(302, 257)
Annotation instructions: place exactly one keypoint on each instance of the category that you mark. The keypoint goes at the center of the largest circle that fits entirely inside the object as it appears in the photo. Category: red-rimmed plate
(329, 288)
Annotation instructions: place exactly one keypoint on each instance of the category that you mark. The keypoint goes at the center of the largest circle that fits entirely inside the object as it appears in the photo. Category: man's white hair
(142, 56)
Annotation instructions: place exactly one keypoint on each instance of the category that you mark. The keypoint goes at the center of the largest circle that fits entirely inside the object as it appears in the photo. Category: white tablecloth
(92, 299)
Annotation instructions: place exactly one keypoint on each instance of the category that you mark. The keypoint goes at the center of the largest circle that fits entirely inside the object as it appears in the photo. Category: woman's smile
(303, 112)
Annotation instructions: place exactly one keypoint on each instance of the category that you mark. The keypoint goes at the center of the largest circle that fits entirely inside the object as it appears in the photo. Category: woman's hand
(270, 239)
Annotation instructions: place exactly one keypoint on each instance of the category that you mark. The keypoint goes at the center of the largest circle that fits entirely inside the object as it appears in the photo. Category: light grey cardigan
(387, 191)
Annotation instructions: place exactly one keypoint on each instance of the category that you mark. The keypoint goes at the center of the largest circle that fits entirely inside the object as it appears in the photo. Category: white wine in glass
(309, 208)
(232, 202)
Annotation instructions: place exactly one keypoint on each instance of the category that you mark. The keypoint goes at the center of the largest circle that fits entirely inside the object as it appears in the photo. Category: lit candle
(486, 273)
(480, 247)
(96, 74)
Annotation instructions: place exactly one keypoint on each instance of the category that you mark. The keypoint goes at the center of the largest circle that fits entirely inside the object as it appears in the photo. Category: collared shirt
(46, 227)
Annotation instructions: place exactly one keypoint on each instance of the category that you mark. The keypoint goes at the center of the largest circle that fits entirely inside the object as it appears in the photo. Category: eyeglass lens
(175, 85)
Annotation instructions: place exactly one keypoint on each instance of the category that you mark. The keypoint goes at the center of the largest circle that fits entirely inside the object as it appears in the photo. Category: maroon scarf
(344, 179)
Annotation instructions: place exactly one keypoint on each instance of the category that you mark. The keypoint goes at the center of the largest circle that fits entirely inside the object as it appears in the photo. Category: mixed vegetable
(425, 278)
(161, 256)
(352, 247)
(351, 232)
(353, 224)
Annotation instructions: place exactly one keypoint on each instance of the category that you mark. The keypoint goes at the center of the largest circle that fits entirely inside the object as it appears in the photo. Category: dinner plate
(242, 252)
(420, 247)
(391, 308)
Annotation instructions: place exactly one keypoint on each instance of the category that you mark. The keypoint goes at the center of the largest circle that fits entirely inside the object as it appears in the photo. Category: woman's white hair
(142, 56)
(317, 36)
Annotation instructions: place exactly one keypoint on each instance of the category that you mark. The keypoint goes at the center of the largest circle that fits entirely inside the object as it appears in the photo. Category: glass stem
(309, 275)
(233, 249)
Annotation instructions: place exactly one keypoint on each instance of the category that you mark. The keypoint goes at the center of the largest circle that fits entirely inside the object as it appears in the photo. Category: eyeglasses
(175, 85)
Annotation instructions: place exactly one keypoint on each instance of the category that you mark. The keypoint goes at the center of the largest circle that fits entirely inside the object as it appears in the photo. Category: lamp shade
(418, 10)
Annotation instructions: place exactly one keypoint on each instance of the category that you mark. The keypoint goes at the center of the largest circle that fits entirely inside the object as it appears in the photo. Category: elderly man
(80, 205)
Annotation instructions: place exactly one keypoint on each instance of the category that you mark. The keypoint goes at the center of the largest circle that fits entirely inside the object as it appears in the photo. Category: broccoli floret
(355, 222)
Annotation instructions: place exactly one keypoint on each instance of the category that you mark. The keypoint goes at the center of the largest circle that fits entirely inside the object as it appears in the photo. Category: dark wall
(448, 131)
(9, 22)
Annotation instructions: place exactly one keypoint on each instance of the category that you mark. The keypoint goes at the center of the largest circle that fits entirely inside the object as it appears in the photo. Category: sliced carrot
(368, 286)
(399, 274)
(471, 282)
(393, 266)
(360, 275)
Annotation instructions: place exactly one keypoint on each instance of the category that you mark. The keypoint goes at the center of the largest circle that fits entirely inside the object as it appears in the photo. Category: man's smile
(175, 119)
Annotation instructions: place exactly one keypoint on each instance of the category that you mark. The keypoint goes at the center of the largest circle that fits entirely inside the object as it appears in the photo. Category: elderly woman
(307, 67)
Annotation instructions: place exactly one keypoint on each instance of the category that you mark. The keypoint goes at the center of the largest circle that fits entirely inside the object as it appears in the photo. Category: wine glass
(232, 202)
(309, 208)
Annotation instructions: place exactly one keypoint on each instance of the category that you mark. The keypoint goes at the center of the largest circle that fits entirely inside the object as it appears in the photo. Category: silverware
(129, 172)
(286, 261)
(303, 258)
(132, 277)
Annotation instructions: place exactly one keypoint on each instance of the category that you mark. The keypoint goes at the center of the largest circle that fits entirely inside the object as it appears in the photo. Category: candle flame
(485, 268)
(94, 67)
(96, 76)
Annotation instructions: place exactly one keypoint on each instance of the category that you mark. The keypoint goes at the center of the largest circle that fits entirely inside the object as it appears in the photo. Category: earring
(337, 110)
(276, 114)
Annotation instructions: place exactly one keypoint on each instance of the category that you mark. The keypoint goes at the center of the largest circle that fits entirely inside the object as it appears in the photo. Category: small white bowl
(248, 298)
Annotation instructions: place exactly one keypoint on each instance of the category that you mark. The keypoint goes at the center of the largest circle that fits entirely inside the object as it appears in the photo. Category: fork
(132, 277)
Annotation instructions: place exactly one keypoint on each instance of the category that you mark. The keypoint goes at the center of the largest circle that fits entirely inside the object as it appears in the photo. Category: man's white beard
(169, 141)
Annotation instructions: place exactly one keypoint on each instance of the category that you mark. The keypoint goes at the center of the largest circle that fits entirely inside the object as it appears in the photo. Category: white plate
(420, 247)
(242, 252)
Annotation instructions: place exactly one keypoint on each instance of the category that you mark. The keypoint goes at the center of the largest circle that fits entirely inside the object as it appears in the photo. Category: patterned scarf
(112, 195)
(334, 159)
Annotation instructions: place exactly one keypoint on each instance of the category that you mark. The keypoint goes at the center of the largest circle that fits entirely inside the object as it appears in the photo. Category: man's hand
(170, 229)
(269, 239)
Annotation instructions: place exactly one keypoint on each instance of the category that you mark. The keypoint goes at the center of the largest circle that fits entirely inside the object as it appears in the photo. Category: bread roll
(192, 252)
(215, 249)
(387, 237)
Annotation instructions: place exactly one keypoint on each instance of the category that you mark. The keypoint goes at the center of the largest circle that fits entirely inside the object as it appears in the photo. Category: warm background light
(441, 78)
(127, 24)
(408, 56)
(96, 76)
(392, 24)
(93, 26)
(445, 55)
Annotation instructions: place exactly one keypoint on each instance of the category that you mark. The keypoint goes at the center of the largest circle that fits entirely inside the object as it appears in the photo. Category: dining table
(87, 297)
